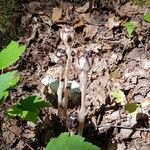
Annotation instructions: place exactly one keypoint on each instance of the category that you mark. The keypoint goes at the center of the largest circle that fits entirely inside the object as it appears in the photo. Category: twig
(124, 127)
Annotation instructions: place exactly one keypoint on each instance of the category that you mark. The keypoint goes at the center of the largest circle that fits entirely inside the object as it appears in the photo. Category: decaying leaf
(113, 22)
(90, 31)
(83, 8)
(79, 22)
(57, 13)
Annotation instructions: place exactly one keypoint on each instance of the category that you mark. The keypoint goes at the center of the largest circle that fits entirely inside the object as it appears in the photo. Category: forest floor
(119, 62)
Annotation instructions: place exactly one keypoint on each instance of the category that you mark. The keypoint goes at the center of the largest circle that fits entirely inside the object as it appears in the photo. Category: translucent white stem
(81, 116)
(60, 91)
(66, 91)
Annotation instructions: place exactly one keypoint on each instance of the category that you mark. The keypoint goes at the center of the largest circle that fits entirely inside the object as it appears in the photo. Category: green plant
(8, 56)
(130, 27)
(141, 2)
(66, 142)
(118, 95)
(28, 108)
(147, 17)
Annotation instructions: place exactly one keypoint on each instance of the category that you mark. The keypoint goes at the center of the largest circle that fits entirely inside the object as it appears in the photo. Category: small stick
(124, 127)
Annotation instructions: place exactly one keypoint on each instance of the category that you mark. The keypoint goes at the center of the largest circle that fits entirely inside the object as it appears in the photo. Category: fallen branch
(124, 127)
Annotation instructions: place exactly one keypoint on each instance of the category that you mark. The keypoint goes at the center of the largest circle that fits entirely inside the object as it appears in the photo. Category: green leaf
(7, 81)
(28, 108)
(118, 95)
(130, 27)
(147, 17)
(131, 107)
(67, 142)
(11, 54)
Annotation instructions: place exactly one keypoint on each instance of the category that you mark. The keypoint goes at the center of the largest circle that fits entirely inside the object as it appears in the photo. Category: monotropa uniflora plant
(83, 64)
(60, 59)
(67, 37)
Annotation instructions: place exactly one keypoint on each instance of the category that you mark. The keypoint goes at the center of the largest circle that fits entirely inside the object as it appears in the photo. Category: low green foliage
(7, 81)
(8, 56)
(66, 142)
(118, 95)
(131, 107)
(11, 54)
(130, 27)
(28, 108)
(147, 17)
(142, 2)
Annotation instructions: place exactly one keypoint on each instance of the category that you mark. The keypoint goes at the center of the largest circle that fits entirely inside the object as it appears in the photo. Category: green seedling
(130, 27)
(147, 17)
(118, 95)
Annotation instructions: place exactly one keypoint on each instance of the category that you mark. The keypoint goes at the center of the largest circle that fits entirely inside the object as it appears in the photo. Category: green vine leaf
(11, 54)
(130, 27)
(147, 17)
(28, 108)
(118, 95)
(7, 81)
(67, 142)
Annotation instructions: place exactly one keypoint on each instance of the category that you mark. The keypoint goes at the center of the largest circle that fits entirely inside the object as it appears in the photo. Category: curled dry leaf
(83, 8)
(57, 13)
(90, 31)
(79, 22)
(113, 22)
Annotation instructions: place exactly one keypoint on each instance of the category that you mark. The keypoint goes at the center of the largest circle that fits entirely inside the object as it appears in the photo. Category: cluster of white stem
(83, 64)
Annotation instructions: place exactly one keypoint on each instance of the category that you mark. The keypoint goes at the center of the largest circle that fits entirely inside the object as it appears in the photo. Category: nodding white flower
(84, 61)
(67, 35)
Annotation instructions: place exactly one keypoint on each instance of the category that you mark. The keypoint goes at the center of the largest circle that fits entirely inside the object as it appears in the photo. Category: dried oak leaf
(83, 8)
(90, 31)
(56, 14)
(113, 22)
(79, 22)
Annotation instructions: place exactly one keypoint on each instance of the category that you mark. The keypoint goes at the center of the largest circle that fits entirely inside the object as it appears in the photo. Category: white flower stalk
(67, 36)
(60, 58)
(83, 63)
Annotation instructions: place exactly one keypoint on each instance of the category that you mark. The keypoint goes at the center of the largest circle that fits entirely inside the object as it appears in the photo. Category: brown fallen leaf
(57, 13)
(90, 31)
(83, 8)
(113, 22)
(79, 22)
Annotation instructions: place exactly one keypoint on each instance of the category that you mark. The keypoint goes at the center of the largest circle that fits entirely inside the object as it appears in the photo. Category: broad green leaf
(3, 96)
(28, 108)
(11, 54)
(147, 17)
(118, 95)
(7, 80)
(130, 27)
(67, 142)
(23, 114)
(131, 107)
